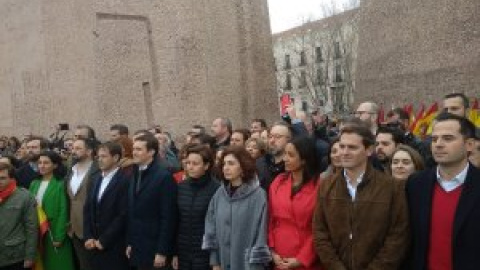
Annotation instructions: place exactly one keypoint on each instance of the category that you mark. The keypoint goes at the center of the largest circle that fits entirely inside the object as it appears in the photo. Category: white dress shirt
(105, 181)
(458, 180)
(352, 189)
(77, 178)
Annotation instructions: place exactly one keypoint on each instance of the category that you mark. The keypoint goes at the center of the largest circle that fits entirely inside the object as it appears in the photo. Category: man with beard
(105, 212)
(368, 113)
(78, 182)
(29, 171)
(271, 165)
(385, 143)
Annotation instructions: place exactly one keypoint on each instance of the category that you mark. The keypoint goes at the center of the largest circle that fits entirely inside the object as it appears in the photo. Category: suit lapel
(86, 179)
(425, 203)
(146, 178)
(470, 194)
(109, 187)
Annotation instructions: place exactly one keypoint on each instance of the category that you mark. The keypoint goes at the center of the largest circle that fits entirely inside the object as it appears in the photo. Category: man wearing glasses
(271, 165)
(368, 113)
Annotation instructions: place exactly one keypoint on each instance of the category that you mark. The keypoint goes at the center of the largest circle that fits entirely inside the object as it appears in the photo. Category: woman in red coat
(292, 198)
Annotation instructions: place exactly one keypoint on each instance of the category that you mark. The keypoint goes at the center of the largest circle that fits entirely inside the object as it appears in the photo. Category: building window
(338, 51)
(287, 62)
(338, 73)
(303, 58)
(288, 82)
(318, 55)
(337, 99)
(303, 79)
(320, 80)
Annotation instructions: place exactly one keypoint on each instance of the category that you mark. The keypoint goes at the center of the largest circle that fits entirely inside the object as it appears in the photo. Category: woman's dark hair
(61, 171)
(16, 141)
(247, 163)
(305, 147)
(330, 148)
(204, 151)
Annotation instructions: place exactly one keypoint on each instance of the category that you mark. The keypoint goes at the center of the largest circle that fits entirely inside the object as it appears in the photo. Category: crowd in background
(306, 192)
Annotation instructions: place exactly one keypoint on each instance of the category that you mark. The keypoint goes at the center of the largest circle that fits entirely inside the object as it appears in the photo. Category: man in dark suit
(152, 208)
(29, 171)
(105, 212)
(444, 202)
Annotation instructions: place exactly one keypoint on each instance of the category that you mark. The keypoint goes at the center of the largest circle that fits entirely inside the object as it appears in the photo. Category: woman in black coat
(194, 195)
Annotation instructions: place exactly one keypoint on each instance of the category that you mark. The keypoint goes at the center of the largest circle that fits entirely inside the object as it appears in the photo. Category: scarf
(4, 194)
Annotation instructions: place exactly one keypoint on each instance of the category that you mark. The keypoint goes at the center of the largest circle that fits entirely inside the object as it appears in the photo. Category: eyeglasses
(362, 112)
(277, 136)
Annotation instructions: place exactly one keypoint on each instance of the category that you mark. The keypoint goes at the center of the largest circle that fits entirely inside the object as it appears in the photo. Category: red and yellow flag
(44, 226)
(416, 118)
(424, 125)
(474, 114)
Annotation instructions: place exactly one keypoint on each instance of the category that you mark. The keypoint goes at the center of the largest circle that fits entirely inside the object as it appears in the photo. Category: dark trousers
(16, 266)
(82, 255)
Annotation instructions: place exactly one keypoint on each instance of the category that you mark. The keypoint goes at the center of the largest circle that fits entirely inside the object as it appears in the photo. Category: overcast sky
(285, 14)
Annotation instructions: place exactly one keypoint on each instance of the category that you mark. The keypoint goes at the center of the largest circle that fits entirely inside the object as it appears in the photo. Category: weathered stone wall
(136, 62)
(411, 51)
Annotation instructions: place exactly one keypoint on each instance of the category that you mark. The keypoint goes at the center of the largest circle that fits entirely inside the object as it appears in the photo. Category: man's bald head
(367, 112)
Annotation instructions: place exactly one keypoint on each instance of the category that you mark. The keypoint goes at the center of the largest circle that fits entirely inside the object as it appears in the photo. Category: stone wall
(137, 62)
(411, 51)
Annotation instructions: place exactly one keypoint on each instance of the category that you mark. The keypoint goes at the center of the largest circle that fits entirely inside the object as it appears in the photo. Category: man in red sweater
(444, 202)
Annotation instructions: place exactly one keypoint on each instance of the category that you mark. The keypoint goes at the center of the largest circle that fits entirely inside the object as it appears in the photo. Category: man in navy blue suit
(444, 202)
(105, 212)
(152, 208)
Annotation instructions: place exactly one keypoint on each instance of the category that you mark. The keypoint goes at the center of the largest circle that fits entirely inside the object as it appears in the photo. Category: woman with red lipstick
(292, 201)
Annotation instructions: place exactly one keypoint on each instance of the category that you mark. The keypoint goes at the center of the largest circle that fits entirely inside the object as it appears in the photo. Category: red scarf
(4, 194)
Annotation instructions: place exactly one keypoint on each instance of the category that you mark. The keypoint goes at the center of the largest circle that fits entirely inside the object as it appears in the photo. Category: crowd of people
(303, 193)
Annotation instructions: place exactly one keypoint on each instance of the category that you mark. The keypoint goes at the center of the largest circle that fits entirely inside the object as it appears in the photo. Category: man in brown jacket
(78, 183)
(361, 220)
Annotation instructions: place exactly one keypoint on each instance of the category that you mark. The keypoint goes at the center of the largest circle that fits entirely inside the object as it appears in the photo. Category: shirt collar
(359, 179)
(75, 167)
(110, 174)
(459, 178)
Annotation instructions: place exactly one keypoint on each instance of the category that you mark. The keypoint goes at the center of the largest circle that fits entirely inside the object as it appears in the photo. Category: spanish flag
(411, 115)
(474, 114)
(44, 226)
(424, 125)
(416, 118)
